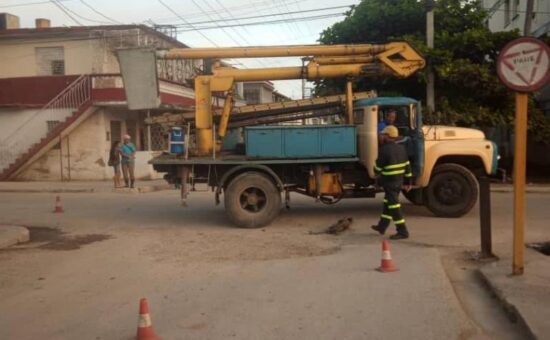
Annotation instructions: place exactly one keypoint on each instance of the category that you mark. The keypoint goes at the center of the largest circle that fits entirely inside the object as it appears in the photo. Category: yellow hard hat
(391, 131)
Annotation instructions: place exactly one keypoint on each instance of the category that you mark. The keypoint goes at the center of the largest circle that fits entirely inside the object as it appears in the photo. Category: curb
(139, 190)
(513, 313)
(12, 234)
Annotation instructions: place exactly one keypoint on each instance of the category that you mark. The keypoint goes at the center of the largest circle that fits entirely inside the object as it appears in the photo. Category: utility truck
(327, 162)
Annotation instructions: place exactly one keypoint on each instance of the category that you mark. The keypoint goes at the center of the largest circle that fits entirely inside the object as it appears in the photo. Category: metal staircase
(43, 129)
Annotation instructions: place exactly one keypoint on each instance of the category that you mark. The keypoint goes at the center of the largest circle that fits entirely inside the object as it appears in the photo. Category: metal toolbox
(312, 141)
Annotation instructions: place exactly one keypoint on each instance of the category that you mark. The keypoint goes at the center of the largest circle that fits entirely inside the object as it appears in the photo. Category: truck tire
(252, 200)
(452, 191)
(415, 196)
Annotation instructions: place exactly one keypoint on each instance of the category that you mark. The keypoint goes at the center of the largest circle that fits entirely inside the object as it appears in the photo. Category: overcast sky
(191, 15)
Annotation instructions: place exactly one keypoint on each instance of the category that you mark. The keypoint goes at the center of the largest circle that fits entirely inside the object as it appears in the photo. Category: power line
(260, 23)
(98, 12)
(30, 3)
(263, 16)
(64, 10)
(82, 17)
(182, 19)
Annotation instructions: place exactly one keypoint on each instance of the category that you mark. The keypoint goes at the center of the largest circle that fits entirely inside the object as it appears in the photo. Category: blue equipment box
(311, 141)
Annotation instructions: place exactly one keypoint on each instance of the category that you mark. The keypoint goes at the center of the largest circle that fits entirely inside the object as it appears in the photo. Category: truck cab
(445, 159)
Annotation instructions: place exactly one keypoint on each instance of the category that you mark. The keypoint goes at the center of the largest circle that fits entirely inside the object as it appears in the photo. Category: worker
(389, 119)
(128, 153)
(394, 167)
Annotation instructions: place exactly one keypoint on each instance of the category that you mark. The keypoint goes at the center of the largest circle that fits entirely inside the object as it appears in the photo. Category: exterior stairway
(32, 139)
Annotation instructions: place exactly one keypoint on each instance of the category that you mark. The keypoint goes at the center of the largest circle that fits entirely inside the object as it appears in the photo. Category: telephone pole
(430, 92)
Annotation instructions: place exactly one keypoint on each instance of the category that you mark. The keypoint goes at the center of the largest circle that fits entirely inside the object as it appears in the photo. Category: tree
(468, 91)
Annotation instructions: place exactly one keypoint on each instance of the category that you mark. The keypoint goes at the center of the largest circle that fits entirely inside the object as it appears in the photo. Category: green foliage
(467, 89)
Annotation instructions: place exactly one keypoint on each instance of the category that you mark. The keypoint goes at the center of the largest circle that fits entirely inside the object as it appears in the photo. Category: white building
(62, 100)
(506, 15)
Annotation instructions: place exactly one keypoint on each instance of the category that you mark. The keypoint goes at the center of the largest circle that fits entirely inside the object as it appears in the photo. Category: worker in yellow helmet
(394, 169)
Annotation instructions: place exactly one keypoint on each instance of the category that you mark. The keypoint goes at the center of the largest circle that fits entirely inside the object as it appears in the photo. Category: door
(116, 131)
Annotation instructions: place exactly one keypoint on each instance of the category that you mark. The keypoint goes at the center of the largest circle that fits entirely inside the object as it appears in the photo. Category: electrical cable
(101, 14)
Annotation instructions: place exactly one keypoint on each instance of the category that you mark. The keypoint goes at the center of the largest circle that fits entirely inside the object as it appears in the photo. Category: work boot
(126, 183)
(399, 236)
(379, 229)
(132, 184)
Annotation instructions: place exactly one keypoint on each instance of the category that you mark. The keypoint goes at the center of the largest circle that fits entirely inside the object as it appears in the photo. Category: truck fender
(482, 149)
(247, 167)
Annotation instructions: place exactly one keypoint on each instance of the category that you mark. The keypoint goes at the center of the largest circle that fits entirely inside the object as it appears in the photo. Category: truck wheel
(415, 196)
(452, 191)
(252, 200)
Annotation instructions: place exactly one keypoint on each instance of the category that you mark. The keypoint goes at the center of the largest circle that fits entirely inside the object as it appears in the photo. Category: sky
(192, 16)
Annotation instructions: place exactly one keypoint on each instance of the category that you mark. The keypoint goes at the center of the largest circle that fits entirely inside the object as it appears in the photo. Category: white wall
(87, 154)
(497, 16)
(21, 128)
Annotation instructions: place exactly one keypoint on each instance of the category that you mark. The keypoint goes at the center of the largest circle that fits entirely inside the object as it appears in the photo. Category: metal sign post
(524, 66)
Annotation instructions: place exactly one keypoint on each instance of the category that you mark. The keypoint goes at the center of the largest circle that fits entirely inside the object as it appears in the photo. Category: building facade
(62, 100)
(507, 15)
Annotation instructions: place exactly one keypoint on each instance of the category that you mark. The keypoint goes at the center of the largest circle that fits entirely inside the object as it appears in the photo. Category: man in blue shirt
(388, 120)
(128, 158)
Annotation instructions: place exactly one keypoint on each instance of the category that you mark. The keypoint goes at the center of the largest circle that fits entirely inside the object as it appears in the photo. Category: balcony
(106, 90)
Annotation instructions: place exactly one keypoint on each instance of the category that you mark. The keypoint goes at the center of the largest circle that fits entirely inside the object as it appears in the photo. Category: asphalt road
(83, 272)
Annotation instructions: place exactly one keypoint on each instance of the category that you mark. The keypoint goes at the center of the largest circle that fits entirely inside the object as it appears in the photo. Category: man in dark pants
(394, 167)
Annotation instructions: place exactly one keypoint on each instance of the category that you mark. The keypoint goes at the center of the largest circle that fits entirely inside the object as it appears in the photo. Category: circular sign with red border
(524, 64)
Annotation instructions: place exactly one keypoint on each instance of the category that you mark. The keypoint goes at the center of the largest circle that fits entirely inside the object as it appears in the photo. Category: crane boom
(397, 59)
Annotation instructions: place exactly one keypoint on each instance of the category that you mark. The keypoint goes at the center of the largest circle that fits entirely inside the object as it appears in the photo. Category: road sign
(524, 64)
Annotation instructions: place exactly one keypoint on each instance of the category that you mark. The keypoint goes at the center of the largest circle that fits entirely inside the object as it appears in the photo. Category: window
(58, 67)
(51, 124)
(50, 61)
(252, 96)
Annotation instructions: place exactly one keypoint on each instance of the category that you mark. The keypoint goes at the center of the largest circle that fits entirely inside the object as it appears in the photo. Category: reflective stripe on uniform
(377, 168)
(409, 175)
(395, 172)
(387, 217)
(394, 206)
(396, 166)
(385, 201)
(401, 221)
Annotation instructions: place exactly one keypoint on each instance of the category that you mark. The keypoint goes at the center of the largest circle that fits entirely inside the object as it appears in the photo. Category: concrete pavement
(526, 297)
(12, 234)
(82, 186)
(189, 259)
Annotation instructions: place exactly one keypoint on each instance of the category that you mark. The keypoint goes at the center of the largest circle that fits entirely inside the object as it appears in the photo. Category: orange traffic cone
(387, 263)
(58, 206)
(145, 328)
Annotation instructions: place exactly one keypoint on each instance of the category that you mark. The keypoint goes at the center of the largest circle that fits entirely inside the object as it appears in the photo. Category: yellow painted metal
(300, 103)
(344, 60)
(224, 120)
(520, 151)
(271, 51)
(398, 59)
(349, 101)
(203, 115)
(329, 184)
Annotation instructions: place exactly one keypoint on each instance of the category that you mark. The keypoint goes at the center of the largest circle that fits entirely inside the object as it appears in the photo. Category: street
(83, 272)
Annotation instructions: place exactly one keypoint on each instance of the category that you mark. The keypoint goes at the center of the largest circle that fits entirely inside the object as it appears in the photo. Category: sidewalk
(529, 188)
(12, 234)
(525, 297)
(82, 186)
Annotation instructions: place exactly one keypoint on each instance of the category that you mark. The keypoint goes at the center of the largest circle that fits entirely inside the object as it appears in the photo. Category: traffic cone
(387, 263)
(58, 206)
(145, 328)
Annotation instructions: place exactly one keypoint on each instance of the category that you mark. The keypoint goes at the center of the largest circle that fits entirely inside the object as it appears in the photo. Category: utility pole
(430, 92)
(528, 18)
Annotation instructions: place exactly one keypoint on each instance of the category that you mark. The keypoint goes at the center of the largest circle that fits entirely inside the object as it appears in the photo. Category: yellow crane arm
(396, 59)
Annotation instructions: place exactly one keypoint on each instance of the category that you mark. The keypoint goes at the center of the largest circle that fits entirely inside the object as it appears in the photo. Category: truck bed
(170, 159)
